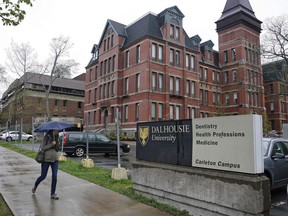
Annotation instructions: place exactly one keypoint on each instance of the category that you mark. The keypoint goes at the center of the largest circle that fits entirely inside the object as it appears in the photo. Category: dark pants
(44, 171)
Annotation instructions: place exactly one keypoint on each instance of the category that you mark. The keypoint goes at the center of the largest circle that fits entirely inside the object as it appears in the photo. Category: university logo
(143, 133)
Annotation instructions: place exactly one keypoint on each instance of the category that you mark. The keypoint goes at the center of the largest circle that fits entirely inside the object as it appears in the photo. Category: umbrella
(53, 125)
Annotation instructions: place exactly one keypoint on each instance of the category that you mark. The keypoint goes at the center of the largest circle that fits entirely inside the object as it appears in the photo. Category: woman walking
(50, 145)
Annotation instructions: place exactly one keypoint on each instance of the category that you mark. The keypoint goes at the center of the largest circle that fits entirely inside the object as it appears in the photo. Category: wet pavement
(77, 196)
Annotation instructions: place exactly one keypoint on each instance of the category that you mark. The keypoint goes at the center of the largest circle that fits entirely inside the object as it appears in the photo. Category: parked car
(75, 143)
(13, 135)
(276, 161)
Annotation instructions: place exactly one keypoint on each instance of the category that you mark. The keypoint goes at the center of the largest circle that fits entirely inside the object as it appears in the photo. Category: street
(279, 206)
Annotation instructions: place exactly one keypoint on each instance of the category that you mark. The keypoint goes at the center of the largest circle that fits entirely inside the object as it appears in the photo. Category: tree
(58, 65)
(275, 39)
(11, 12)
(21, 58)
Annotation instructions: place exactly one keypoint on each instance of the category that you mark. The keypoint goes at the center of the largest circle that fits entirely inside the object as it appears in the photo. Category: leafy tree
(11, 12)
(58, 65)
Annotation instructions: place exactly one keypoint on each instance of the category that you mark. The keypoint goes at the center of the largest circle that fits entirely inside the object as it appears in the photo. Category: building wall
(202, 102)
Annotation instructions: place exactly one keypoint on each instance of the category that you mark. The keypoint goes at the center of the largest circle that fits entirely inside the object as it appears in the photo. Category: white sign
(231, 143)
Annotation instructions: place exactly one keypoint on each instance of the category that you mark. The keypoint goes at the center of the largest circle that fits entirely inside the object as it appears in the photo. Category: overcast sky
(83, 21)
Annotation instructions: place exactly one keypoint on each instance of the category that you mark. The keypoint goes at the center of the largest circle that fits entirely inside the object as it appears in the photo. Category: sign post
(119, 172)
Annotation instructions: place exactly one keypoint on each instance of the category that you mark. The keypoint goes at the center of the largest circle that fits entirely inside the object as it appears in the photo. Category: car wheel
(79, 151)
(29, 139)
(9, 139)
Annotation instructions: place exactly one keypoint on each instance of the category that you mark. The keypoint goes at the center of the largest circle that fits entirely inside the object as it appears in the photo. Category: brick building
(276, 100)
(66, 101)
(152, 70)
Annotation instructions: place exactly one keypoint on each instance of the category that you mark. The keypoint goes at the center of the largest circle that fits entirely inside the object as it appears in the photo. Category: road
(279, 206)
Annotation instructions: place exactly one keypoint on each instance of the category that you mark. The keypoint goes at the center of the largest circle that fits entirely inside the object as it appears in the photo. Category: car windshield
(266, 144)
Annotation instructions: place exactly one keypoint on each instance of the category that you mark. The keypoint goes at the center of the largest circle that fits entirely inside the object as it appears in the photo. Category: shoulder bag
(40, 157)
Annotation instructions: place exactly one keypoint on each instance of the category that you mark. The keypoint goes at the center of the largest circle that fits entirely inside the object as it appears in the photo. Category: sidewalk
(77, 196)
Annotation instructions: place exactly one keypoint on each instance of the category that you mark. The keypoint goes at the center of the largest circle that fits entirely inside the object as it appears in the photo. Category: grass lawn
(97, 176)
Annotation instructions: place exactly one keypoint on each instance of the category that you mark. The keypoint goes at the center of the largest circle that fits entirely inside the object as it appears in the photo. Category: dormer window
(177, 33)
(172, 31)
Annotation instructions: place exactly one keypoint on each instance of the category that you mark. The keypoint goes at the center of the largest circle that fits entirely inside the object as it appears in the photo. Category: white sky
(84, 21)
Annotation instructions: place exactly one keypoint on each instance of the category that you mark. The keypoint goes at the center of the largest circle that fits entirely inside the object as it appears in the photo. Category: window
(201, 96)
(114, 63)
(112, 88)
(55, 102)
(235, 98)
(177, 113)
(272, 106)
(137, 82)
(188, 113)
(154, 54)
(206, 97)
(112, 40)
(99, 117)
(90, 75)
(104, 91)
(171, 57)
(109, 65)
(213, 76)
(218, 77)
(187, 62)
(233, 52)
(271, 88)
(95, 94)
(193, 112)
(193, 89)
(101, 92)
(160, 77)
(127, 58)
(188, 88)
(225, 57)
(108, 89)
(105, 68)
(160, 57)
(234, 75)
(137, 108)
(226, 78)
(201, 73)
(126, 86)
(177, 87)
(126, 113)
(138, 54)
(105, 45)
(227, 98)
(206, 74)
(79, 104)
(214, 98)
(94, 117)
(153, 111)
(178, 58)
(154, 78)
(193, 63)
(89, 97)
(160, 111)
(64, 103)
(96, 72)
(108, 43)
(171, 85)
(171, 112)
(171, 31)
(177, 33)
(101, 68)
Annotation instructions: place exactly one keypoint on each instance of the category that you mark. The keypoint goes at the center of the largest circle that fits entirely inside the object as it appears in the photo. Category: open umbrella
(53, 125)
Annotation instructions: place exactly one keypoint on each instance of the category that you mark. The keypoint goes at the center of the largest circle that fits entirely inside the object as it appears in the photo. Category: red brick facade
(173, 77)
